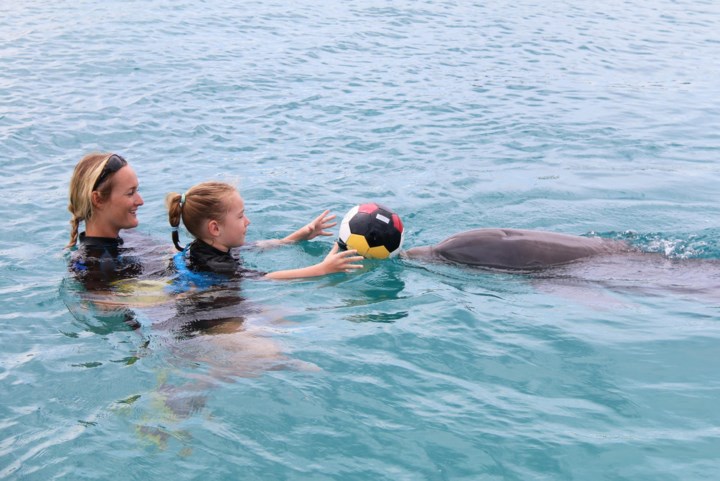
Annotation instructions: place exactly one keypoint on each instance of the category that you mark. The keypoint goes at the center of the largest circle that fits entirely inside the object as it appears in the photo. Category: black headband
(112, 165)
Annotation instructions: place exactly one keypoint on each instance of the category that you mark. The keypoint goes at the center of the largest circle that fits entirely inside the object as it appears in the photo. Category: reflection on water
(640, 274)
(206, 325)
(205, 336)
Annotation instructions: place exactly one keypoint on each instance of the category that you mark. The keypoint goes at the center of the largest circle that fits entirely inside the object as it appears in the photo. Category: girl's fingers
(323, 215)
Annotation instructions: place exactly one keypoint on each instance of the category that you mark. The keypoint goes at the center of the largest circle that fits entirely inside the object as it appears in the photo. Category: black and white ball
(375, 231)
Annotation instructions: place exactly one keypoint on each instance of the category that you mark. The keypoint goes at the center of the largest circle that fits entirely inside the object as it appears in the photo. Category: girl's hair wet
(94, 172)
(203, 202)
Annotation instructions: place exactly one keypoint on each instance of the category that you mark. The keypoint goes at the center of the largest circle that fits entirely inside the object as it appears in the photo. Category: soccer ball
(373, 230)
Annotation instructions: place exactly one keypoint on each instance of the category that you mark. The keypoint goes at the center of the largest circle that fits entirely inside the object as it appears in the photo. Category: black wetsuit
(213, 297)
(201, 257)
(98, 262)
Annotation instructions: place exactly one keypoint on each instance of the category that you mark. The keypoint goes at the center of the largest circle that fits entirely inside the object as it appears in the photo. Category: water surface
(572, 117)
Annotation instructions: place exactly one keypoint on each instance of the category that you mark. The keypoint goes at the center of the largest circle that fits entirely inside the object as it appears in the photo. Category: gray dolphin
(516, 249)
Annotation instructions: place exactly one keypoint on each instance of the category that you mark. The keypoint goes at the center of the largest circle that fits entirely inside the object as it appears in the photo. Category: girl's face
(120, 210)
(233, 228)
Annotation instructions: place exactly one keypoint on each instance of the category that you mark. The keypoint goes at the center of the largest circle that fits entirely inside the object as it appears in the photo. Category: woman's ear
(96, 199)
(213, 227)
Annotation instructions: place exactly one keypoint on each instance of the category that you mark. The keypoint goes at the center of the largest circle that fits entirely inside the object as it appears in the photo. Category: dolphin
(516, 249)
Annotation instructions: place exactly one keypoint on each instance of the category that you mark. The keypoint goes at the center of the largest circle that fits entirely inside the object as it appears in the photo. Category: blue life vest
(186, 279)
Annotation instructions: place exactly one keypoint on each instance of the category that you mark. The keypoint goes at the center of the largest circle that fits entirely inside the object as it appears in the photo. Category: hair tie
(174, 229)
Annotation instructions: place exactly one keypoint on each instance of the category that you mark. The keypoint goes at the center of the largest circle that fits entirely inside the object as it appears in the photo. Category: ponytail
(204, 201)
(173, 202)
(74, 227)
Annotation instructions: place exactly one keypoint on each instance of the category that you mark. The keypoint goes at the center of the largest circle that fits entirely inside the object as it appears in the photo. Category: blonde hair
(202, 202)
(85, 176)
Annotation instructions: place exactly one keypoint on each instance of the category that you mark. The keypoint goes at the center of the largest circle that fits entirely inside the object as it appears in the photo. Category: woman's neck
(98, 229)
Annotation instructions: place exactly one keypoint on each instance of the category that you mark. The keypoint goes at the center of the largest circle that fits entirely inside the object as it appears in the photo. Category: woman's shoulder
(90, 249)
(100, 261)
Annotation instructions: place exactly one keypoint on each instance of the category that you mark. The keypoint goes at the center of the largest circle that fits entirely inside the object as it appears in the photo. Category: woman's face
(234, 226)
(120, 210)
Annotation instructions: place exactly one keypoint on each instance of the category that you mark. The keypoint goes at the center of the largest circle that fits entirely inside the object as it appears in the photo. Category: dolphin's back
(520, 249)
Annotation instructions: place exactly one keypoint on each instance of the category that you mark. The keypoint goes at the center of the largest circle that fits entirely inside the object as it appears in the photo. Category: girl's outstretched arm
(334, 262)
(316, 227)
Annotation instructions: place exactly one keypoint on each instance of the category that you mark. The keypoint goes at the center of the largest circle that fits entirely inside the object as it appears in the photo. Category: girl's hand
(318, 226)
(340, 261)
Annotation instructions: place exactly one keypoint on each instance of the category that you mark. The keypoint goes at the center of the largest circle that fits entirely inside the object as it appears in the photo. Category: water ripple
(563, 116)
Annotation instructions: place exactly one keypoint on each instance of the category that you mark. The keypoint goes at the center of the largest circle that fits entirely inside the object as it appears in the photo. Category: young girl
(214, 213)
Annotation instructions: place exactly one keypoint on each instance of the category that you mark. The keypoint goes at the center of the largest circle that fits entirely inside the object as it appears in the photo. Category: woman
(104, 195)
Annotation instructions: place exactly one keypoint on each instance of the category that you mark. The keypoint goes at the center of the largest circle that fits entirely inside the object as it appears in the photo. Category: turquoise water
(573, 117)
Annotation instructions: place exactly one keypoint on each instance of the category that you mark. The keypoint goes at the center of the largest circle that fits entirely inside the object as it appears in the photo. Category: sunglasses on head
(113, 164)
